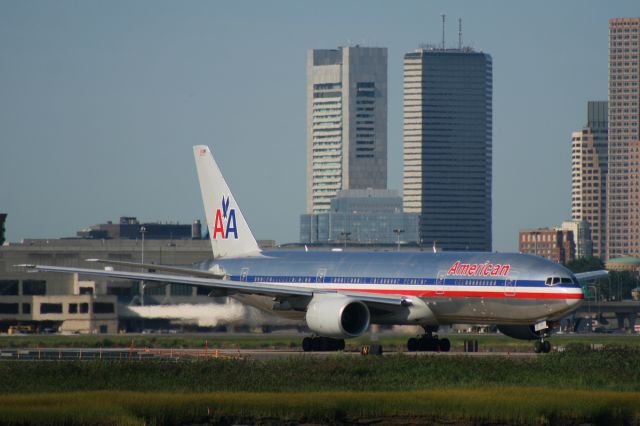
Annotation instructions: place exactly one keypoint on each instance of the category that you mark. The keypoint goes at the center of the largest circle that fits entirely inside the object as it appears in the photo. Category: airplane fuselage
(458, 287)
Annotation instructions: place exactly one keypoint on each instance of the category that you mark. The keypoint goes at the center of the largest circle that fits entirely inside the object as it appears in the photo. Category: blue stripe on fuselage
(395, 281)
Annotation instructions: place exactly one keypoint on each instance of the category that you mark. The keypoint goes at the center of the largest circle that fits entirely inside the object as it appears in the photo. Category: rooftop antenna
(459, 33)
(443, 18)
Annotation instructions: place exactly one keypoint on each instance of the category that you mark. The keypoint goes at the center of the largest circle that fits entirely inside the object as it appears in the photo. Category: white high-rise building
(346, 122)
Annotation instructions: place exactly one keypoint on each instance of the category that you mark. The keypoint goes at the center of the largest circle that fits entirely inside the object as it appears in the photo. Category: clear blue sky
(100, 102)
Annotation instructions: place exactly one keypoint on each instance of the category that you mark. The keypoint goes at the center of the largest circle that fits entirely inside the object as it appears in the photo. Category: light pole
(595, 289)
(398, 232)
(142, 232)
(345, 236)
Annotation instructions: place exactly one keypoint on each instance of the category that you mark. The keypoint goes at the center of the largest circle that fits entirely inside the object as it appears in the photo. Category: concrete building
(581, 237)
(346, 122)
(447, 139)
(589, 164)
(67, 303)
(554, 244)
(623, 184)
(362, 216)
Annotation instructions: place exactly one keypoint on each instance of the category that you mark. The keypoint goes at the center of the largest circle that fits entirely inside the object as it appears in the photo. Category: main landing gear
(322, 344)
(428, 342)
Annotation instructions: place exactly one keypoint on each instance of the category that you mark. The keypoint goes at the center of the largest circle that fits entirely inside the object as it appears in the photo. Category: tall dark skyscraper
(448, 97)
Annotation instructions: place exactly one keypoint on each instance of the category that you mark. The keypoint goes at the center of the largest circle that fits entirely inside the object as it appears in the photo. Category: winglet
(228, 231)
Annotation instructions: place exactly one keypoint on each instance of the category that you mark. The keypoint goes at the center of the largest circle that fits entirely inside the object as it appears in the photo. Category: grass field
(617, 369)
(578, 386)
(514, 405)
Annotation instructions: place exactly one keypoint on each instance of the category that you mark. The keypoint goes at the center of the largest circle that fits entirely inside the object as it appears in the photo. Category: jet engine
(338, 316)
(522, 332)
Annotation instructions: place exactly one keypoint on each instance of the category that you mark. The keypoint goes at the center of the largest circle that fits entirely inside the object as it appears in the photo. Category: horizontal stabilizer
(584, 277)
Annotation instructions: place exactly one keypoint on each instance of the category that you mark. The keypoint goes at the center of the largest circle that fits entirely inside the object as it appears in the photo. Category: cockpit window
(551, 281)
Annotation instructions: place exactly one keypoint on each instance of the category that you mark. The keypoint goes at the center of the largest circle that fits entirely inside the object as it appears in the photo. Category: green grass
(573, 387)
(151, 341)
(514, 405)
(617, 369)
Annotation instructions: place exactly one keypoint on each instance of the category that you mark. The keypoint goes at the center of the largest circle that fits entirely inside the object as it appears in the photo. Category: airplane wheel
(341, 345)
(537, 347)
(429, 344)
(322, 344)
(546, 347)
(413, 344)
(307, 344)
(445, 345)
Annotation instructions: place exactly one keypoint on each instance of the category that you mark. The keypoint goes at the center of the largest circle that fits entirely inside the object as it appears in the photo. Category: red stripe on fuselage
(488, 294)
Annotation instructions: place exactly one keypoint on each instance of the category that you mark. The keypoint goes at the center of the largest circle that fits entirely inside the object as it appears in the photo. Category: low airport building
(625, 263)
(130, 228)
(67, 303)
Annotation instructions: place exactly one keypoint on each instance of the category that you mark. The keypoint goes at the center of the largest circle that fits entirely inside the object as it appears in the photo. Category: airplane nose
(575, 303)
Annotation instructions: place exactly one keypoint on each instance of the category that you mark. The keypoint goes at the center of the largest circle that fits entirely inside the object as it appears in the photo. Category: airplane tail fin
(228, 231)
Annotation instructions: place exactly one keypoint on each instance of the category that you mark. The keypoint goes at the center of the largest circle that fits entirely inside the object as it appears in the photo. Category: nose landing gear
(542, 346)
(544, 331)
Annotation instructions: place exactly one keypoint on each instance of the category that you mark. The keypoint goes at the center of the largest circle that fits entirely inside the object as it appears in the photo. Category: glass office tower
(447, 136)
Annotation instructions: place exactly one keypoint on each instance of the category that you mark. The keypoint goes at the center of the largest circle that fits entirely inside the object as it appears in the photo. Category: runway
(148, 354)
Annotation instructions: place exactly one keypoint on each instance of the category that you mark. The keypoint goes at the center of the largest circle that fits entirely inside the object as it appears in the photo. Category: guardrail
(132, 353)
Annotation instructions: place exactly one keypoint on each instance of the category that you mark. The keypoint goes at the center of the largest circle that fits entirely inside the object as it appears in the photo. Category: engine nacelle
(522, 332)
(338, 316)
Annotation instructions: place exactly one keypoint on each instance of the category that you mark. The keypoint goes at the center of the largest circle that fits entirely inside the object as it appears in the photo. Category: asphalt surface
(145, 354)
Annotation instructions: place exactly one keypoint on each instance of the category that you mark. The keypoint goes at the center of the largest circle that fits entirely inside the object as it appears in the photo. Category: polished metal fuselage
(458, 287)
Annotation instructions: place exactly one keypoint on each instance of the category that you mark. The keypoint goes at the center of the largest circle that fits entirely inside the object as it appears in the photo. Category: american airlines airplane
(339, 294)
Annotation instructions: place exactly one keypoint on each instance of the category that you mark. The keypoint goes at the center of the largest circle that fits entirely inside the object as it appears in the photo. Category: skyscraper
(623, 183)
(589, 157)
(346, 122)
(448, 146)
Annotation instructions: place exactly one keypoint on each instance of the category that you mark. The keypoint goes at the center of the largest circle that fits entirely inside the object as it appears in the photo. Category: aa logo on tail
(225, 223)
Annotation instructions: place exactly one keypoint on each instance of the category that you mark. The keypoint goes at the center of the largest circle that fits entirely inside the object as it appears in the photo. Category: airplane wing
(166, 268)
(273, 290)
(591, 276)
